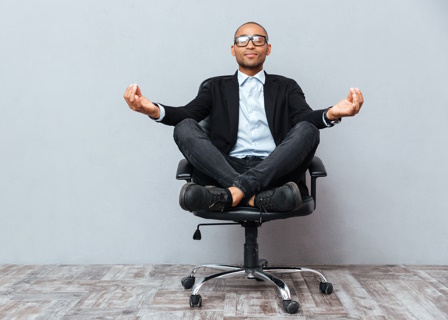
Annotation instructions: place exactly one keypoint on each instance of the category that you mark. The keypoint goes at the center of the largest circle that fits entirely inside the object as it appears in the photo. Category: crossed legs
(247, 177)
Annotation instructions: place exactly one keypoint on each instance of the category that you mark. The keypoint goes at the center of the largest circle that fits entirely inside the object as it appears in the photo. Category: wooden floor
(154, 292)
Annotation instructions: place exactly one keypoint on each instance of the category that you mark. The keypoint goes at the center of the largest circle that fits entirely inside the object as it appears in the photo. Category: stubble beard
(251, 66)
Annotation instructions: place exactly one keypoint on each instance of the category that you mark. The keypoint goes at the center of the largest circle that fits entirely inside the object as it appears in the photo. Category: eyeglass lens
(243, 41)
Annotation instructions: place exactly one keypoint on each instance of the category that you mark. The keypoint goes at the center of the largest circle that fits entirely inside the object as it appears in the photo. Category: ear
(268, 50)
(232, 49)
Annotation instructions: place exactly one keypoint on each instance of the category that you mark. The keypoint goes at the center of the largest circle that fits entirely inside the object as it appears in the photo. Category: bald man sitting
(263, 135)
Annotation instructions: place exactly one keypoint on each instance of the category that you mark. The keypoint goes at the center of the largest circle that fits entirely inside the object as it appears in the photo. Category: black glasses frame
(251, 38)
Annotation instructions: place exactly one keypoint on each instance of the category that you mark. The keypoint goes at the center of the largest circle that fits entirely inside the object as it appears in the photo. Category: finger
(132, 93)
(360, 97)
(358, 103)
(137, 94)
(353, 107)
(350, 95)
(129, 89)
(356, 107)
(126, 92)
(137, 91)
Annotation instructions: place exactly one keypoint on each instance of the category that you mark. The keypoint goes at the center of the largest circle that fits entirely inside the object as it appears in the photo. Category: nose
(250, 44)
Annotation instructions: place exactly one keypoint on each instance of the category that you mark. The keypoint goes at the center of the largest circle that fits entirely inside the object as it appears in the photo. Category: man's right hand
(137, 102)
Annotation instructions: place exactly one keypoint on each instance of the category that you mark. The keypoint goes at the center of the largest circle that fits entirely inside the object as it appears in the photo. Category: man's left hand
(348, 107)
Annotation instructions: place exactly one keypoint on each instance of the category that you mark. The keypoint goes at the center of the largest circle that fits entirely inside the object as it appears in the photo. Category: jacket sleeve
(299, 108)
(198, 109)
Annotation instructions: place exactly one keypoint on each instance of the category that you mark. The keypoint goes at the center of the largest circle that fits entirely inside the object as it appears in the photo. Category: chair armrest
(317, 168)
(184, 170)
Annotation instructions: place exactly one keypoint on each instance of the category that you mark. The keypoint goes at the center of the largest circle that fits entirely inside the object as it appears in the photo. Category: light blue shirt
(254, 136)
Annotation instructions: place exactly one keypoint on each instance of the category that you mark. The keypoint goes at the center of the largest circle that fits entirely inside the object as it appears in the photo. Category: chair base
(254, 268)
(261, 273)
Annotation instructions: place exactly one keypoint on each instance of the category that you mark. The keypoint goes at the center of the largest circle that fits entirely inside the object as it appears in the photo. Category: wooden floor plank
(393, 307)
(57, 310)
(130, 272)
(323, 304)
(417, 305)
(353, 296)
(136, 292)
(435, 302)
(441, 284)
(18, 309)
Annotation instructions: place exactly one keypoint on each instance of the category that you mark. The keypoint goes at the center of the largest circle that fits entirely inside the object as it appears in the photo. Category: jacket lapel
(270, 95)
(233, 95)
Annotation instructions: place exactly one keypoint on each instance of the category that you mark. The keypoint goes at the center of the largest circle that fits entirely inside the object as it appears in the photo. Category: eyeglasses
(257, 40)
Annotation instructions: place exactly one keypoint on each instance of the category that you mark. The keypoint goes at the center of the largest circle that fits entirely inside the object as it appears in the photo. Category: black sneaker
(194, 197)
(284, 198)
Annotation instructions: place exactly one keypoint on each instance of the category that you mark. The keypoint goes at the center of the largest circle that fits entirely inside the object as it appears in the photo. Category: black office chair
(252, 218)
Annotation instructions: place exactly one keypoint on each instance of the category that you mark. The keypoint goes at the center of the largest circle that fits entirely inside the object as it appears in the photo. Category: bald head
(254, 23)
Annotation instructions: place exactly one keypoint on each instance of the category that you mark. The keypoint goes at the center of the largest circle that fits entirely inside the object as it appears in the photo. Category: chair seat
(239, 214)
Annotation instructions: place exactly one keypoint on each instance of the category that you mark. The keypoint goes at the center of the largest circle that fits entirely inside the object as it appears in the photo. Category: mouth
(250, 55)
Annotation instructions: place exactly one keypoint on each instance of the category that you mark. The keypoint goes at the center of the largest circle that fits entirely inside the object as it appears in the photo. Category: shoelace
(261, 204)
(216, 198)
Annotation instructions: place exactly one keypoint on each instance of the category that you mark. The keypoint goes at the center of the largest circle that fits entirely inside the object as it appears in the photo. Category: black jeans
(288, 162)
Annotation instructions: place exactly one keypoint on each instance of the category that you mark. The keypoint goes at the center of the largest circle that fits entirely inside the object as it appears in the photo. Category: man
(262, 137)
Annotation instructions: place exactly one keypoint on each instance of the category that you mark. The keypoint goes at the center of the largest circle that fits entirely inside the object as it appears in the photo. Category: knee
(307, 130)
(184, 128)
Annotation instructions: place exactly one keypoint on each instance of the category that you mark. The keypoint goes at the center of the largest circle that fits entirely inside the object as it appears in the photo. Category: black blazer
(284, 102)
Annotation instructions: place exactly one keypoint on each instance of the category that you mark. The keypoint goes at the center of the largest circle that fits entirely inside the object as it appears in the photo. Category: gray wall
(83, 179)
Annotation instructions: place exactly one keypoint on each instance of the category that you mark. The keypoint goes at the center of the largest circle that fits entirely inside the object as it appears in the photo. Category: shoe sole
(182, 195)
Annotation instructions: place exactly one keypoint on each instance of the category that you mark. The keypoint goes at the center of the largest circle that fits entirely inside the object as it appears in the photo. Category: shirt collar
(261, 76)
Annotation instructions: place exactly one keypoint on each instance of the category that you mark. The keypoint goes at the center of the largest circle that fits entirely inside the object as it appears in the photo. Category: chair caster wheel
(291, 306)
(326, 287)
(188, 282)
(195, 301)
